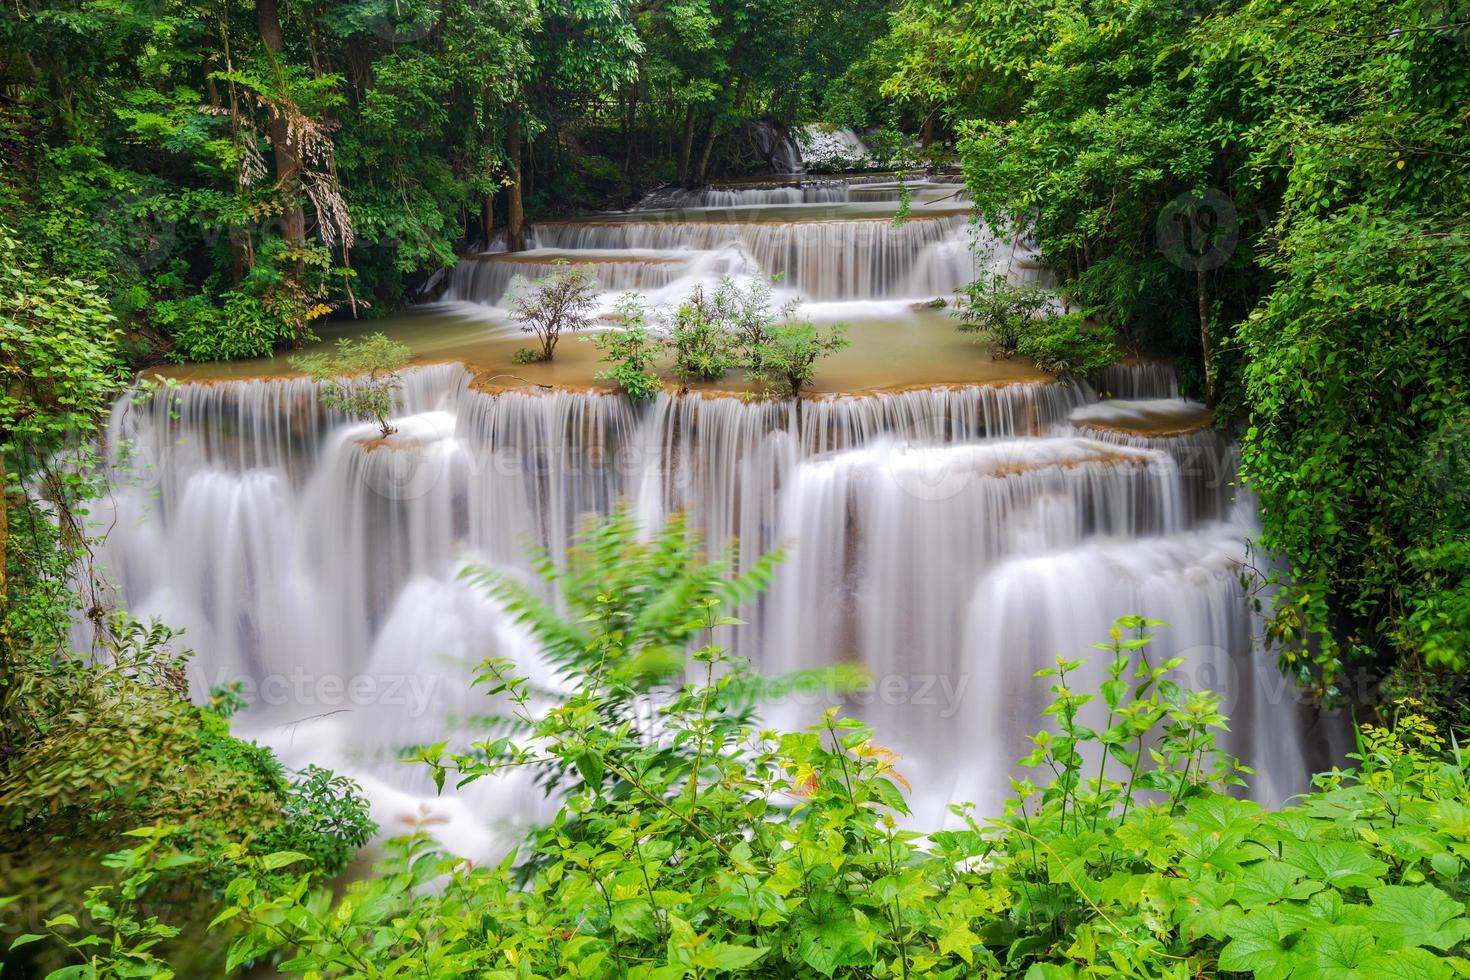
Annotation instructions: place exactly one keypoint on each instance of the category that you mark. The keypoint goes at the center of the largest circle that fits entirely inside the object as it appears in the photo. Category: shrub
(785, 361)
(1067, 345)
(999, 311)
(358, 377)
(631, 350)
(94, 750)
(243, 327)
(561, 300)
(702, 333)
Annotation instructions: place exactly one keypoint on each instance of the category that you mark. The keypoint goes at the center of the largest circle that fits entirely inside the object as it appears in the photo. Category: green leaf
(589, 764)
(83, 971)
(25, 938)
(1266, 882)
(1341, 865)
(281, 859)
(1255, 946)
(634, 917)
(1414, 916)
(960, 940)
(1336, 952)
(730, 957)
(828, 935)
(244, 949)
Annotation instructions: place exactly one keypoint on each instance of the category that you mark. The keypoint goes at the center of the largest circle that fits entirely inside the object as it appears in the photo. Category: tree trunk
(686, 144)
(487, 219)
(630, 141)
(211, 87)
(702, 172)
(1201, 282)
(515, 219)
(926, 135)
(701, 169)
(287, 153)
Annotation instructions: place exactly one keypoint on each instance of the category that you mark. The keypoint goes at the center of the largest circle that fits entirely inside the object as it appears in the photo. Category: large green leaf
(829, 935)
(1266, 882)
(1419, 915)
(1341, 865)
(1256, 946)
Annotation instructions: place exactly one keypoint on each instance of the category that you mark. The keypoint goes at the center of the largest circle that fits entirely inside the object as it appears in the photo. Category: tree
(561, 300)
(359, 377)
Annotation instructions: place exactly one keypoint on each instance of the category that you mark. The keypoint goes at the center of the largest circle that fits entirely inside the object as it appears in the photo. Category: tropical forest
(663, 489)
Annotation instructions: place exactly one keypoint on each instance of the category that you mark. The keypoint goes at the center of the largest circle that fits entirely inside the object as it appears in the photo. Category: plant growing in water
(631, 350)
(1067, 345)
(561, 300)
(701, 332)
(999, 311)
(785, 360)
(358, 377)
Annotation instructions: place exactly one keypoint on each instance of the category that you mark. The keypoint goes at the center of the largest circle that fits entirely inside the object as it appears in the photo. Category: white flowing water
(823, 241)
(952, 540)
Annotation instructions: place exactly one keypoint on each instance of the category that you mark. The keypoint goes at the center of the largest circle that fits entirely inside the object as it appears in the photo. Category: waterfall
(864, 258)
(952, 539)
(487, 278)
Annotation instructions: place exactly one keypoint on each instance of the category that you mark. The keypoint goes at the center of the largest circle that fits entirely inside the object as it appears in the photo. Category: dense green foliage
(227, 173)
(1000, 311)
(1276, 192)
(94, 749)
(1068, 346)
(100, 740)
(691, 843)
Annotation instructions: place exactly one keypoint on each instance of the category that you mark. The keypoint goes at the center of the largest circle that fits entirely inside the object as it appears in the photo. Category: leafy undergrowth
(93, 750)
(693, 843)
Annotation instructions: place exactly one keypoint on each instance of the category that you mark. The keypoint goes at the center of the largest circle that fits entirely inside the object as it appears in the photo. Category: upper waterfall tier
(827, 240)
(819, 257)
(880, 187)
(487, 278)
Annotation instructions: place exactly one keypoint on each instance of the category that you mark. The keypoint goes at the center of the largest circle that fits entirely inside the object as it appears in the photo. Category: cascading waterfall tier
(488, 278)
(951, 540)
(825, 240)
(836, 259)
(879, 187)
